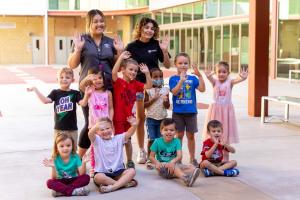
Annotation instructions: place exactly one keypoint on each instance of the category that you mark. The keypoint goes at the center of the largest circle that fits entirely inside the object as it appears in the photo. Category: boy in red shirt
(126, 91)
(212, 153)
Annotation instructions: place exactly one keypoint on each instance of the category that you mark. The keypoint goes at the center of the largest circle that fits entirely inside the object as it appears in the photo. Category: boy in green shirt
(166, 154)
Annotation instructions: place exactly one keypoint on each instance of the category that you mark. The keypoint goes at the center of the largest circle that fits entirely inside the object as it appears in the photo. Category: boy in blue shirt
(183, 88)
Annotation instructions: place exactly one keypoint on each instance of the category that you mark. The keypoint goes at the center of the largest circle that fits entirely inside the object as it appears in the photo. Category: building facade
(208, 30)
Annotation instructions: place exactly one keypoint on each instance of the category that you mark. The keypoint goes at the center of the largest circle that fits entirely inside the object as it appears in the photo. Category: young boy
(183, 88)
(212, 153)
(166, 153)
(65, 100)
(110, 173)
(126, 92)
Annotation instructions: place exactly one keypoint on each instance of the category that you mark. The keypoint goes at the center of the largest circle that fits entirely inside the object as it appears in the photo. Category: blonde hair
(183, 55)
(65, 70)
(105, 119)
(62, 137)
(140, 24)
(128, 61)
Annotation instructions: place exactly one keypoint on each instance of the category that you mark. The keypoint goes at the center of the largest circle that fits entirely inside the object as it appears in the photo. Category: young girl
(183, 87)
(110, 172)
(100, 101)
(68, 171)
(222, 109)
(156, 102)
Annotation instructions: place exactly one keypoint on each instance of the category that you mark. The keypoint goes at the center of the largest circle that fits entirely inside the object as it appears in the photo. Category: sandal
(105, 188)
(149, 165)
(132, 183)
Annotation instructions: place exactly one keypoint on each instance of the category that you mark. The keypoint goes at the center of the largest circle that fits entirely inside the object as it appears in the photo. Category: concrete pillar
(258, 54)
(274, 39)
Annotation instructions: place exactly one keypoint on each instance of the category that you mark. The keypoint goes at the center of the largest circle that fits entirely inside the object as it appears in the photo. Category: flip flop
(132, 183)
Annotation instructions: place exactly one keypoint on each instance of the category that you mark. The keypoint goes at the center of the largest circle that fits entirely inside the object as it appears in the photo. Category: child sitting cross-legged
(212, 153)
(166, 153)
(110, 173)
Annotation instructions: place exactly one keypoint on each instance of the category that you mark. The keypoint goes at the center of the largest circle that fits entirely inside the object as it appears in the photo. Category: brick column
(258, 54)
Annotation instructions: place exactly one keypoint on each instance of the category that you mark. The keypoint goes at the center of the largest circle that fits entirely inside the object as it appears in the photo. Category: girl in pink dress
(222, 109)
(100, 102)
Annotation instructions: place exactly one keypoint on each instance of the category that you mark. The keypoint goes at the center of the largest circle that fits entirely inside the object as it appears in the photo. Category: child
(68, 172)
(65, 100)
(156, 103)
(212, 153)
(222, 109)
(100, 101)
(183, 88)
(125, 91)
(110, 173)
(166, 154)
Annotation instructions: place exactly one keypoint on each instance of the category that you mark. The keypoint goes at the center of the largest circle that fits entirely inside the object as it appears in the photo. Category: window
(242, 7)
(226, 7)
(211, 8)
(167, 16)
(158, 17)
(176, 14)
(198, 10)
(187, 12)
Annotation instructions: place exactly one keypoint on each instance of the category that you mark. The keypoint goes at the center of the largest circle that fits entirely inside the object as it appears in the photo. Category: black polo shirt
(97, 56)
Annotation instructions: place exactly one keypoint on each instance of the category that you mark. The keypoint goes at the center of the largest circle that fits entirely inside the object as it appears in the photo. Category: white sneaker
(141, 157)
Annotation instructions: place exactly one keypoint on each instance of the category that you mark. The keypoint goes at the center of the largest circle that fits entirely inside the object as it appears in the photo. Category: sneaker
(195, 163)
(149, 165)
(105, 188)
(231, 172)
(130, 164)
(57, 194)
(192, 178)
(142, 157)
(207, 172)
(82, 191)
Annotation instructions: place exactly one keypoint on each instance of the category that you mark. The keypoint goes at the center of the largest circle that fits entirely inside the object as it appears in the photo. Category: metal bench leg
(262, 110)
(287, 112)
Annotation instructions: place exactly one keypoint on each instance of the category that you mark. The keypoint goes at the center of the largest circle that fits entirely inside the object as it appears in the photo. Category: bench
(286, 100)
(290, 73)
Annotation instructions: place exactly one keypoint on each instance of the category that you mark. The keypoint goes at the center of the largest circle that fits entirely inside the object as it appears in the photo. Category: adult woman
(147, 49)
(93, 49)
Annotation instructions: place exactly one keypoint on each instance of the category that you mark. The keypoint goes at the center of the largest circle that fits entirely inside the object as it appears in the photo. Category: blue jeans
(153, 128)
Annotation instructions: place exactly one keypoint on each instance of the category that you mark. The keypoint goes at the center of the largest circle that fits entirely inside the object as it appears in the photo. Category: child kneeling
(110, 173)
(212, 153)
(166, 154)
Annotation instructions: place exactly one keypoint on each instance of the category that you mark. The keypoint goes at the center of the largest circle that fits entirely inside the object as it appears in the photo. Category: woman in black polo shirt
(147, 49)
(93, 49)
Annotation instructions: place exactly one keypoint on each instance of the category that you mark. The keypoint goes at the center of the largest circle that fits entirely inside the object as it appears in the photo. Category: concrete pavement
(267, 155)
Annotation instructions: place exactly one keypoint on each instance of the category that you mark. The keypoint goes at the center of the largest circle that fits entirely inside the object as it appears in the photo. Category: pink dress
(98, 108)
(222, 110)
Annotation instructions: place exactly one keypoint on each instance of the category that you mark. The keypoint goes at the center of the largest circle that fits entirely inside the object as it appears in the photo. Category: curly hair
(140, 24)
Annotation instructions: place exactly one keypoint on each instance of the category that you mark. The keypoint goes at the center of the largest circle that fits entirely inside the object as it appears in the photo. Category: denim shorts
(153, 128)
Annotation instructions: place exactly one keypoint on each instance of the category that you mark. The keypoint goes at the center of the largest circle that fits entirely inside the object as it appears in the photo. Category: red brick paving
(8, 77)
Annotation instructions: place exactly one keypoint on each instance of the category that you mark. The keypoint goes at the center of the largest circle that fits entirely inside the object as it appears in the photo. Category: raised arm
(119, 46)
(242, 76)
(82, 168)
(201, 86)
(149, 101)
(163, 44)
(93, 131)
(74, 58)
(209, 74)
(116, 68)
(41, 97)
(133, 122)
(110, 105)
(50, 163)
(87, 93)
(178, 87)
(87, 81)
(144, 69)
(209, 153)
